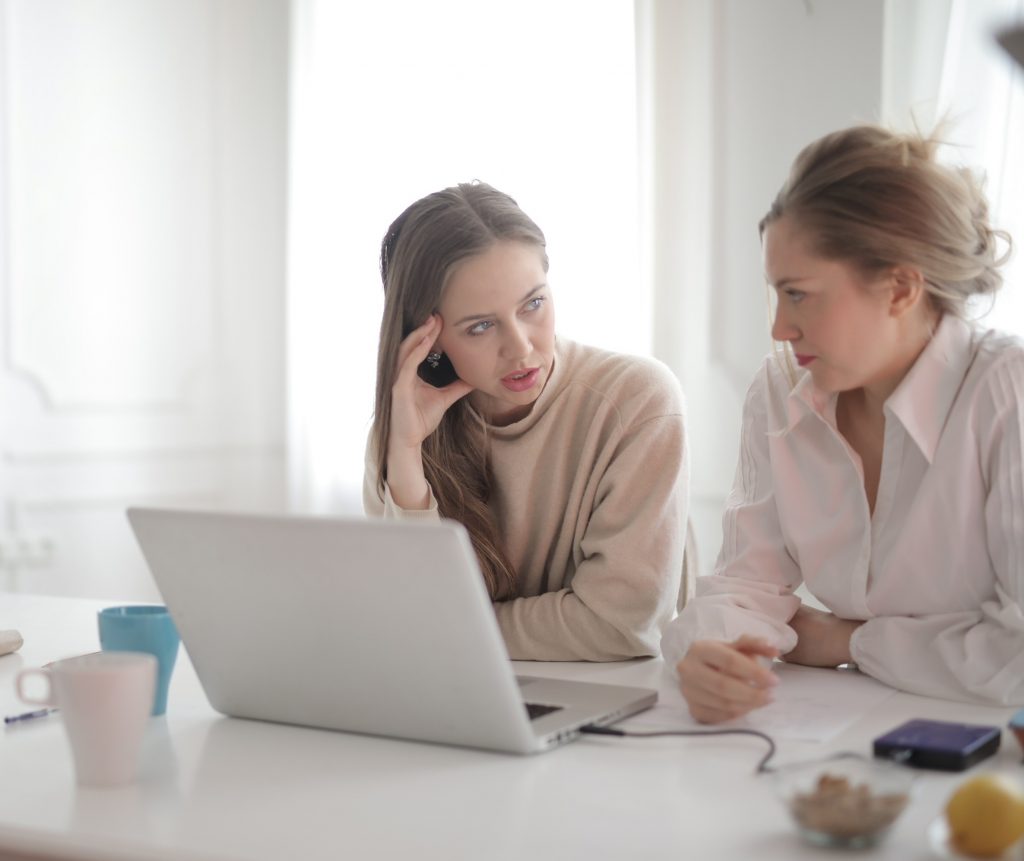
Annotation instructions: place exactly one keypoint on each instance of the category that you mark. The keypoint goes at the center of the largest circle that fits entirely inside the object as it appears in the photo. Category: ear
(906, 290)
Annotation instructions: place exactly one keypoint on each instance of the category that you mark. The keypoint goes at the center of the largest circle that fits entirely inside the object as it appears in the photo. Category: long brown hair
(420, 250)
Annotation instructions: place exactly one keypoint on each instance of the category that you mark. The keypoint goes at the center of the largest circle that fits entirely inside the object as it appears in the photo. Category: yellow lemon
(985, 815)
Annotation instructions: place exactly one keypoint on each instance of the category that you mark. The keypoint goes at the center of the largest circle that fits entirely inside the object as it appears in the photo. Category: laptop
(368, 626)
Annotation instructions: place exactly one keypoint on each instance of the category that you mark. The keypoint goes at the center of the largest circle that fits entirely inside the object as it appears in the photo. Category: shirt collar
(805, 399)
(924, 397)
(920, 402)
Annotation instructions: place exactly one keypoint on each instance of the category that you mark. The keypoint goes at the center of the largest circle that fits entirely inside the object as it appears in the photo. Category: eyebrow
(526, 298)
(783, 283)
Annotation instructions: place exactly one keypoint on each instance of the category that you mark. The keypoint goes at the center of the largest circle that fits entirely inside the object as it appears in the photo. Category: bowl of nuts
(848, 802)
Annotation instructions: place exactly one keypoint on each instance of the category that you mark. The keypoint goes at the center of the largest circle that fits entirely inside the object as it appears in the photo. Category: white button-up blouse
(937, 571)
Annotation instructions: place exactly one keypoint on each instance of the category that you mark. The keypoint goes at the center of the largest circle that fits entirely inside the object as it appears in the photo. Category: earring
(433, 359)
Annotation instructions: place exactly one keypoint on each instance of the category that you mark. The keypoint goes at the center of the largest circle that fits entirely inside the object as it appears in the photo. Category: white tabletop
(213, 787)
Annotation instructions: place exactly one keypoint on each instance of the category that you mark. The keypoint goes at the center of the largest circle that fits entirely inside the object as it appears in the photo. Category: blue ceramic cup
(143, 628)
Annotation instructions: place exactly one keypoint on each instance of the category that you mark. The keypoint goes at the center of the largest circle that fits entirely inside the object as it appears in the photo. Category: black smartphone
(439, 377)
(938, 744)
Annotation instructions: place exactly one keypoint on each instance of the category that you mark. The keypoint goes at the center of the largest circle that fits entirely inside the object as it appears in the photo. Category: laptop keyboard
(536, 710)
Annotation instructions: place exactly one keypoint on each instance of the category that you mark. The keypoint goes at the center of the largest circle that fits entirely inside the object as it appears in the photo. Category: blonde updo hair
(875, 199)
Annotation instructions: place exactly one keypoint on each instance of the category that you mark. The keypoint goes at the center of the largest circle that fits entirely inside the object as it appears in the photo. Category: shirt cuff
(856, 650)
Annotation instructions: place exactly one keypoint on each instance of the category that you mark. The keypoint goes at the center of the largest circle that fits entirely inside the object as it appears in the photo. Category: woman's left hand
(823, 639)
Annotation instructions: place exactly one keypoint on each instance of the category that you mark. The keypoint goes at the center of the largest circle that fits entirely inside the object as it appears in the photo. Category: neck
(872, 396)
(502, 419)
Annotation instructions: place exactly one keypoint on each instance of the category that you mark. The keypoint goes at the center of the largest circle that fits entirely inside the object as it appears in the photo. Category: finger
(413, 342)
(732, 677)
(707, 688)
(419, 341)
(414, 357)
(736, 663)
(713, 687)
(755, 646)
(454, 391)
(708, 705)
(710, 714)
(762, 654)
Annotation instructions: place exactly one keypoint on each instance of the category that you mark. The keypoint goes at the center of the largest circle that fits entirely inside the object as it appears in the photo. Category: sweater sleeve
(377, 504)
(751, 591)
(626, 582)
(975, 654)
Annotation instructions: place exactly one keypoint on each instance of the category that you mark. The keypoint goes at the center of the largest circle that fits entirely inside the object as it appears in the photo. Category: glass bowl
(844, 802)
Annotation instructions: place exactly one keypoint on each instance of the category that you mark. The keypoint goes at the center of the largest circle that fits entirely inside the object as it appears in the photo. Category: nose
(783, 329)
(516, 343)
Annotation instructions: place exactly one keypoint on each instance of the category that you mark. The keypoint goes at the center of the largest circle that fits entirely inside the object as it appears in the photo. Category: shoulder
(770, 390)
(637, 385)
(996, 374)
(995, 350)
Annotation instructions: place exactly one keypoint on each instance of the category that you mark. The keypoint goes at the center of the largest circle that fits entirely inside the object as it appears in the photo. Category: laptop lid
(379, 627)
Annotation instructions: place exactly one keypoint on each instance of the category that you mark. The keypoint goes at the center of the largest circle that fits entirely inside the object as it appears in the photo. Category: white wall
(185, 347)
(747, 83)
(142, 151)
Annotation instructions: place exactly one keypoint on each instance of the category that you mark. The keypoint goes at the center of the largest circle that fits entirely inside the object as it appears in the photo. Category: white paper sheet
(810, 704)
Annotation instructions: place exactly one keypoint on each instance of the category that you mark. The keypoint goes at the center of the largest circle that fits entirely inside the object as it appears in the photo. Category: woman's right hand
(416, 410)
(723, 681)
(416, 406)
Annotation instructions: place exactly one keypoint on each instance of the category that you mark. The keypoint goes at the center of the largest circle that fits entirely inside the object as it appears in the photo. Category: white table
(214, 787)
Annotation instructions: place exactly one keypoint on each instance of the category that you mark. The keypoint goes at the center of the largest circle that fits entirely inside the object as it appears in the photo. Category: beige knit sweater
(591, 497)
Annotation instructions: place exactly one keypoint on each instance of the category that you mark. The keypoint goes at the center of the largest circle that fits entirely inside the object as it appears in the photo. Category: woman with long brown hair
(566, 464)
(882, 453)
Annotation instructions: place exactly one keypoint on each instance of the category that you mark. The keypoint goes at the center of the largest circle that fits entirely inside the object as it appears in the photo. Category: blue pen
(29, 715)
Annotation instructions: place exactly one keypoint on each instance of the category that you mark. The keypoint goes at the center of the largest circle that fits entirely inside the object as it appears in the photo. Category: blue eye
(480, 328)
(795, 296)
(535, 303)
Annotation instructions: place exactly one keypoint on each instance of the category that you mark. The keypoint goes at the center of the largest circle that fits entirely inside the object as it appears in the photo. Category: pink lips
(521, 381)
(803, 361)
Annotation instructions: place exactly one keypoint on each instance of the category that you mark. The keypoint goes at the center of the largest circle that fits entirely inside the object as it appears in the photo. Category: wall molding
(32, 458)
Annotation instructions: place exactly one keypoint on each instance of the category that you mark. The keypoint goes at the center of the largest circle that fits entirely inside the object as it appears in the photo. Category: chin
(827, 384)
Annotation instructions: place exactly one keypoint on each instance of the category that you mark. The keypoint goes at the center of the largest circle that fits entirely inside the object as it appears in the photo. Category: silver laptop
(368, 626)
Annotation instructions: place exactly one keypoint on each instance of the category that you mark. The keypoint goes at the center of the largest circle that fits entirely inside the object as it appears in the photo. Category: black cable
(762, 766)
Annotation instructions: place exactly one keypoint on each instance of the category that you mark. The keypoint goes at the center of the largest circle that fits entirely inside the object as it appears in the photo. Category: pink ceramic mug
(104, 699)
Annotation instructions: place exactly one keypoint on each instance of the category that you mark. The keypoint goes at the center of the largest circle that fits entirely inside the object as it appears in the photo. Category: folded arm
(974, 654)
(626, 582)
(751, 591)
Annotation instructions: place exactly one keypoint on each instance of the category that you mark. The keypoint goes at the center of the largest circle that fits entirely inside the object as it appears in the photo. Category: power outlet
(25, 551)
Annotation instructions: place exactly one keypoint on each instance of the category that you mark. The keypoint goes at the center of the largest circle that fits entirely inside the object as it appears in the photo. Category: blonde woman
(883, 465)
(566, 464)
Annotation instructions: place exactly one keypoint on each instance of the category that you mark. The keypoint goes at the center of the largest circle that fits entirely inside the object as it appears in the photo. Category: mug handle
(32, 701)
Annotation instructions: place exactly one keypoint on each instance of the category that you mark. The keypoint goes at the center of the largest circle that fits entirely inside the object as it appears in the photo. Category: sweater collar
(554, 384)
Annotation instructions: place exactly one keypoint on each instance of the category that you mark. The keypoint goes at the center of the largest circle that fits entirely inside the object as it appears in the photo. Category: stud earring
(433, 359)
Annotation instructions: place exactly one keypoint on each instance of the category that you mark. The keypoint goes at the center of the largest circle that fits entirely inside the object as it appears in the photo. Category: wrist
(401, 454)
(406, 479)
(852, 642)
(844, 646)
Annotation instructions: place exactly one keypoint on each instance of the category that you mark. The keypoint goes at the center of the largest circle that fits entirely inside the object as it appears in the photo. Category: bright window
(536, 98)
